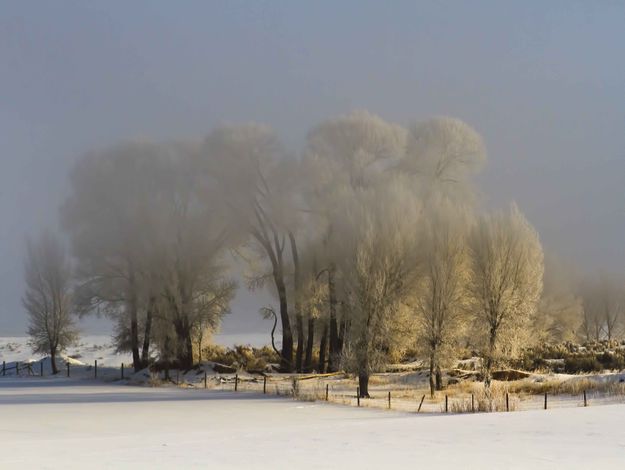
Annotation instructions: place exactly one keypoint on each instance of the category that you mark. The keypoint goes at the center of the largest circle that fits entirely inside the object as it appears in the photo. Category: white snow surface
(62, 423)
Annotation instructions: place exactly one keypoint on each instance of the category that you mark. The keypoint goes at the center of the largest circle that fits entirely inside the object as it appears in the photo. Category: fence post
(446, 404)
(545, 400)
(264, 384)
(95, 369)
(17, 368)
(205, 380)
(177, 377)
(122, 371)
(327, 389)
(389, 400)
(236, 382)
(68, 368)
(41, 368)
(358, 396)
(421, 403)
(585, 402)
(4, 368)
(472, 403)
(507, 402)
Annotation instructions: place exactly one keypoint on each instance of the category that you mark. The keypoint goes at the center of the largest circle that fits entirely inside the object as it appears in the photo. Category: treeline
(371, 240)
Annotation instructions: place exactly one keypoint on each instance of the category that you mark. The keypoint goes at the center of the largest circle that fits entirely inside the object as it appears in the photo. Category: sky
(543, 82)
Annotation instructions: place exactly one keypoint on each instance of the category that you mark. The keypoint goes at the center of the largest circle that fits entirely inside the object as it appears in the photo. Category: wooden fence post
(507, 402)
(545, 400)
(41, 368)
(68, 368)
(205, 380)
(472, 403)
(585, 402)
(421, 403)
(95, 369)
(327, 390)
(358, 396)
(236, 382)
(264, 384)
(389, 400)
(4, 368)
(17, 368)
(122, 371)
(446, 404)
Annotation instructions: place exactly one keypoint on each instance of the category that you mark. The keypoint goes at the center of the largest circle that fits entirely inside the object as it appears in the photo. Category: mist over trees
(371, 240)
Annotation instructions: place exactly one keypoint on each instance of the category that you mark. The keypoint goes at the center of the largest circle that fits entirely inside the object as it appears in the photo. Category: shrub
(577, 364)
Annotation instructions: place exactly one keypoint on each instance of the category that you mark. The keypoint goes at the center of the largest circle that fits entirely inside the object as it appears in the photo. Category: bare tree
(603, 301)
(506, 277)
(244, 163)
(440, 299)
(48, 297)
(559, 314)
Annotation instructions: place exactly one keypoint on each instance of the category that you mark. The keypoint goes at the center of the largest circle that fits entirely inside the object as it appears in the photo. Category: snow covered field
(61, 423)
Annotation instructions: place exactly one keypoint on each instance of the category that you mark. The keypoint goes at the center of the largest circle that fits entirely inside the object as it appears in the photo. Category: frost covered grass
(67, 424)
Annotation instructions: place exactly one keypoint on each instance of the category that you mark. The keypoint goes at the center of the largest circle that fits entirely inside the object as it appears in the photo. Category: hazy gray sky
(543, 82)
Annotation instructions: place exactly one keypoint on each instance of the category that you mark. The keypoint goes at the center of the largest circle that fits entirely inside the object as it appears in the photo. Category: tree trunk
(334, 358)
(363, 383)
(309, 344)
(299, 353)
(489, 359)
(145, 352)
(55, 370)
(134, 322)
(439, 378)
(299, 321)
(432, 386)
(323, 346)
(286, 357)
(184, 353)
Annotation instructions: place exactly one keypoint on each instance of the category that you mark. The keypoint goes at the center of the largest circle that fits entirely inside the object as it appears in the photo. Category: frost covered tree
(603, 301)
(149, 239)
(443, 154)
(559, 314)
(48, 297)
(246, 163)
(440, 298)
(506, 278)
(344, 154)
(379, 228)
(109, 216)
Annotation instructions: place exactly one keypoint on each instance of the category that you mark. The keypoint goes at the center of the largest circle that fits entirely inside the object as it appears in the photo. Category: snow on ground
(100, 348)
(61, 423)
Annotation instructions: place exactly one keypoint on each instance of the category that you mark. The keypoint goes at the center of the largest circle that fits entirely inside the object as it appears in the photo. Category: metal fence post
(95, 369)
(545, 400)
(358, 396)
(122, 371)
(41, 368)
(446, 404)
(68, 368)
(585, 402)
(236, 382)
(264, 384)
